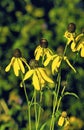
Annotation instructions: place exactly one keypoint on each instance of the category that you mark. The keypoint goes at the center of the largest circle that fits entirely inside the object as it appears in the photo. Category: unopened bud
(33, 63)
(17, 53)
(43, 43)
(71, 27)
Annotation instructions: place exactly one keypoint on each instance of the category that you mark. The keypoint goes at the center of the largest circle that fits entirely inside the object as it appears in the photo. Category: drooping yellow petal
(73, 44)
(37, 57)
(45, 76)
(47, 61)
(66, 59)
(41, 80)
(37, 49)
(24, 60)
(28, 74)
(35, 81)
(21, 65)
(4, 106)
(79, 37)
(9, 65)
(67, 122)
(56, 64)
(16, 67)
(61, 121)
(38, 53)
(82, 51)
(48, 52)
(80, 45)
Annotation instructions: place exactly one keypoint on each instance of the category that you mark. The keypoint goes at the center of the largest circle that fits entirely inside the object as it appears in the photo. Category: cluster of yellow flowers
(44, 54)
(38, 74)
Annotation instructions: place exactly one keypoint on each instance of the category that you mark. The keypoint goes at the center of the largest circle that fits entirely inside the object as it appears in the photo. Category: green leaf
(71, 94)
(42, 127)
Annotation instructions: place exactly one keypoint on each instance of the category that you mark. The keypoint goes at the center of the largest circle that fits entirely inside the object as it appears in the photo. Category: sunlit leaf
(71, 94)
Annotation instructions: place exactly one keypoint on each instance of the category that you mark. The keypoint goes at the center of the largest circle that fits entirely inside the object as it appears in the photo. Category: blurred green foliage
(22, 24)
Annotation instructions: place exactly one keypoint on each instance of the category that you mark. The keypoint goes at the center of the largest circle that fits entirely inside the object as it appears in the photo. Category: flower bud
(33, 63)
(43, 43)
(64, 114)
(71, 27)
(17, 53)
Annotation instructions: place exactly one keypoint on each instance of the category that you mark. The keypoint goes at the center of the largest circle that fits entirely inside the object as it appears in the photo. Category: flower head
(56, 62)
(78, 44)
(63, 120)
(17, 62)
(70, 33)
(42, 50)
(38, 75)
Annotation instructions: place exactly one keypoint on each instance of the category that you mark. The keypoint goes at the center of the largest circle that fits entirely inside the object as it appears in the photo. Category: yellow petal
(28, 74)
(80, 45)
(79, 37)
(9, 65)
(35, 81)
(56, 64)
(38, 52)
(4, 106)
(73, 44)
(67, 122)
(41, 80)
(82, 51)
(48, 52)
(37, 49)
(66, 59)
(21, 65)
(24, 60)
(38, 55)
(16, 67)
(47, 61)
(45, 76)
(61, 121)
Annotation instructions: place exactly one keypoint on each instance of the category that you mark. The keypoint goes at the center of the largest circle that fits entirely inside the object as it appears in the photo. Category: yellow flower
(70, 36)
(78, 44)
(70, 33)
(38, 75)
(17, 63)
(56, 62)
(63, 119)
(42, 50)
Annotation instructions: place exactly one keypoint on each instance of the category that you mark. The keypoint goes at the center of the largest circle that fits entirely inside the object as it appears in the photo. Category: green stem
(59, 101)
(39, 112)
(55, 102)
(35, 108)
(28, 104)
(56, 97)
